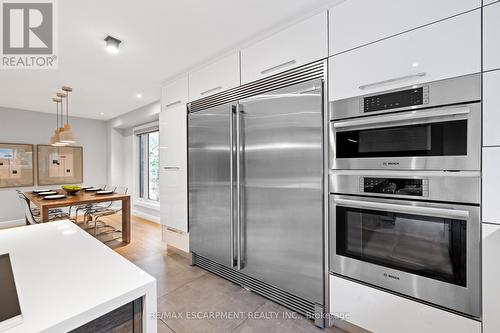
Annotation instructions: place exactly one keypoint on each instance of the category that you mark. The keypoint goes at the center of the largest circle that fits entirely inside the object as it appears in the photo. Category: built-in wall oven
(413, 234)
(432, 126)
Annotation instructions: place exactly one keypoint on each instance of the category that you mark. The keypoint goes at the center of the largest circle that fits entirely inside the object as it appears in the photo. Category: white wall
(21, 126)
(122, 160)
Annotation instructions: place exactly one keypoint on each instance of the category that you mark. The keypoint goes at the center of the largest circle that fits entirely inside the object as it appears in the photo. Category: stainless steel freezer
(256, 194)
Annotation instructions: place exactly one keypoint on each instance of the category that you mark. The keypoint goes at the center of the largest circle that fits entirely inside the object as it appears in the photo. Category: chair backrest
(110, 188)
(26, 208)
(121, 189)
(101, 186)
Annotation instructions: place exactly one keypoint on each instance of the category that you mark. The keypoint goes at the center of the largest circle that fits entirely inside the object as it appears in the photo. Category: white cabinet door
(221, 75)
(355, 23)
(175, 93)
(491, 183)
(491, 108)
(491, 36)
(298, 45)
(369, 308)
(173, 198)
(173, 167)
(491, 278)
(173, 135)
(438, 51)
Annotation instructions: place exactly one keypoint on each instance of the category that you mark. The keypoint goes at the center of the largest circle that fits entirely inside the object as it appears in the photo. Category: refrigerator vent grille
(277, 295)
(293, 76)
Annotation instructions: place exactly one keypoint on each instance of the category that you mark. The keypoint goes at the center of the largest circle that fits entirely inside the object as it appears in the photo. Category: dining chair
(97, 215)
(30, 219)
(35, 211)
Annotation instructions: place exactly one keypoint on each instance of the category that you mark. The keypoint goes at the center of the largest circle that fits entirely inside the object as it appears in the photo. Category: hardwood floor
(188, 291)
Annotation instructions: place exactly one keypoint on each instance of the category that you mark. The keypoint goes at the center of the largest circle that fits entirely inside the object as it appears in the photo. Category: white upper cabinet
(221, 75)
(491, 108)
(297, 45)
(491, 183)
(175, 93)
(491, 36)
(354, 23)
(438, 51)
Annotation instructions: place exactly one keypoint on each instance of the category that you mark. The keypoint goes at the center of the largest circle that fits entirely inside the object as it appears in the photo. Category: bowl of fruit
(71, 189)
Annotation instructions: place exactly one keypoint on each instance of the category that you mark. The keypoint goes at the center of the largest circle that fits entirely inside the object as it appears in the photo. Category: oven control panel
(396, 186)
(397, 99)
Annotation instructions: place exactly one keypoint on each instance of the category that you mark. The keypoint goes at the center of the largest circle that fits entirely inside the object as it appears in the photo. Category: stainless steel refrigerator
(256, 199)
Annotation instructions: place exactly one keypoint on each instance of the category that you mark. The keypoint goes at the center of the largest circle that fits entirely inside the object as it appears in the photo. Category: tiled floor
(187, 295)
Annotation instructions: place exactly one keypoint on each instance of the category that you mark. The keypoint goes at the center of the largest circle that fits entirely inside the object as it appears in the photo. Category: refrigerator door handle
(239, 110)
(231, 181)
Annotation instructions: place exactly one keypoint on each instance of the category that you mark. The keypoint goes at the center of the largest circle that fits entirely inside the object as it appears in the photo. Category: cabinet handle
(173, 103)
(210, 90)
(171, 168)
(274, 68)
(396, 79)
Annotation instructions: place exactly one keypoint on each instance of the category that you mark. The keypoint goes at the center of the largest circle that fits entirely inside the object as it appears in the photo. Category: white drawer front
(491, 183)
(378, 311)
(173, 137)
(298, 45)
(491, 108)
(214, 78)
(491, 36)
(355, 23)
(175, 93)
(173, 198)
(491, 277)
(442, 50)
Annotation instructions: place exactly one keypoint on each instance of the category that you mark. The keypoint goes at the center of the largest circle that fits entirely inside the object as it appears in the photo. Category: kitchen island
(66, 280)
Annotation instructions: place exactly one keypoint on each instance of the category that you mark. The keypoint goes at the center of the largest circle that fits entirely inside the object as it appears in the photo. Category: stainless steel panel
(457, 90)
(463, 186)
(462, 299)
(209, 182)
(471, 161)
(282, 189)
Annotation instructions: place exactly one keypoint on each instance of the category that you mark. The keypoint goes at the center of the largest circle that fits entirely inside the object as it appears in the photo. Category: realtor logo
(28, 34)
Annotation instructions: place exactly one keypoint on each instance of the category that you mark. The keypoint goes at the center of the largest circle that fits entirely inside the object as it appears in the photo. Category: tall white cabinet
(173, 163)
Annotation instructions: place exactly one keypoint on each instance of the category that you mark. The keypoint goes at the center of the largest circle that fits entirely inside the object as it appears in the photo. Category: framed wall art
(59, 165)
(16, 165)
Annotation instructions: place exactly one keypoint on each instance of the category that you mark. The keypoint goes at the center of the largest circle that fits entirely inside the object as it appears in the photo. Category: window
(149, 161)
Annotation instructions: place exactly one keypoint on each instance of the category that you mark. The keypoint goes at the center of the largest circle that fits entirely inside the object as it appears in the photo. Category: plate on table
(86, 187)
(54, 197)
(92, 189)
(104, 192)
(42, 194)
(41, 191)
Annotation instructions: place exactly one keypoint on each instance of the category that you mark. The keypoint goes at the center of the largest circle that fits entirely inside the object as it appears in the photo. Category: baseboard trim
(12, 223)
(146, 216)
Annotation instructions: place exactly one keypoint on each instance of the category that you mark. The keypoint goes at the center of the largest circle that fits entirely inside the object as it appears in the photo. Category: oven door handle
(405, 209)
(407, 116)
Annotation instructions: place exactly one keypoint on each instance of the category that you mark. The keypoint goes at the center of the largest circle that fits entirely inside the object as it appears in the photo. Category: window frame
(144, 166)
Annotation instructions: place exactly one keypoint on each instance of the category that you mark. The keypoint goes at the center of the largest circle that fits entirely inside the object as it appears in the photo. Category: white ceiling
(161, 38)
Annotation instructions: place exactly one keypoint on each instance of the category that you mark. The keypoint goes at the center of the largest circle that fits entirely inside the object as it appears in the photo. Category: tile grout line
(258, 307)
(163, 321)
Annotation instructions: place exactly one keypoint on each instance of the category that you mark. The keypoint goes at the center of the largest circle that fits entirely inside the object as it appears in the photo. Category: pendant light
(55, 139)
(61, 127)
(67, 136)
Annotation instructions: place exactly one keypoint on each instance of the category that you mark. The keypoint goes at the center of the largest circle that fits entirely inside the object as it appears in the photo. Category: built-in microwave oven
(413, 234)
(432, 126)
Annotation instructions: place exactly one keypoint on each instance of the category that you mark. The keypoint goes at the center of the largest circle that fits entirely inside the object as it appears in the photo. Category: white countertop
(66, 278)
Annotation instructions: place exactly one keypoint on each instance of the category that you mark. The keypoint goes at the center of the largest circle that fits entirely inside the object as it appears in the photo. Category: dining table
(83, 198)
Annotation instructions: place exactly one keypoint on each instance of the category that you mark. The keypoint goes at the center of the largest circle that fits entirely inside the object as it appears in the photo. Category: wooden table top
(81, 197)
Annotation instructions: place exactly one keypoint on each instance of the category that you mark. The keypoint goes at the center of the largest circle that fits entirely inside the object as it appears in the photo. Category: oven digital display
(398, 99)
(398, 186)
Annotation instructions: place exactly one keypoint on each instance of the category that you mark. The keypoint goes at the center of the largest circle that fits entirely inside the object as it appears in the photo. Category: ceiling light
(138, 95)
(415, 64)
(102, 113)
(112, 44)
(67, 136)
